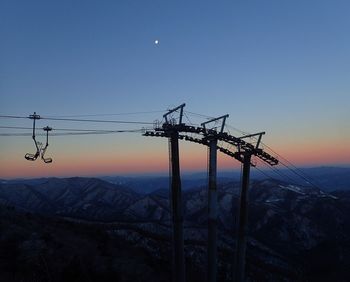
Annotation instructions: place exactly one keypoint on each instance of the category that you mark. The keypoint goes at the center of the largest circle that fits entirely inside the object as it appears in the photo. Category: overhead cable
(82, 120)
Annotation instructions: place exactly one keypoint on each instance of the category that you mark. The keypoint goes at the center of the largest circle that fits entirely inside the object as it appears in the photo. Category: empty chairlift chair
(28, 156)
(43, 151)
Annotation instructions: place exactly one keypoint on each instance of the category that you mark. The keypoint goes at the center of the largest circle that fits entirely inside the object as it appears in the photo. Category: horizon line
(166, 174)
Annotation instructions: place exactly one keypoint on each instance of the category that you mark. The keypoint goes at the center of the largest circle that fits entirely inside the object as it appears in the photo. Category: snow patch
(273, 200)
(325, 195)
(293, 188)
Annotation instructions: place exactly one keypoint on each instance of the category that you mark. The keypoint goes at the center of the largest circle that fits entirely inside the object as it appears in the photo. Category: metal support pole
(212, 212)
(242, 222)
(177, 212)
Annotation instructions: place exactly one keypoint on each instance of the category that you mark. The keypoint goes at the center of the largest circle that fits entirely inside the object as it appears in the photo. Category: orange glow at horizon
(155, 160)
(316, 153)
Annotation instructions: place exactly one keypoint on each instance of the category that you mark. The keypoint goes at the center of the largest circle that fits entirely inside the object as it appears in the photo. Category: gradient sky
(277, 66)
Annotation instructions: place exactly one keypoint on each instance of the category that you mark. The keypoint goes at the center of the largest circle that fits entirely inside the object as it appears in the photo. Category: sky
(277, 66)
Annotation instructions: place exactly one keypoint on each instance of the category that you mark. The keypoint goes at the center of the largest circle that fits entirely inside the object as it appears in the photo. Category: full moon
(156, 41)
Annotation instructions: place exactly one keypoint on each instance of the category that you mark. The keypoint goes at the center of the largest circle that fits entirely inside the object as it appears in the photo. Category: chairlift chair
(43, 151)
(28, 156)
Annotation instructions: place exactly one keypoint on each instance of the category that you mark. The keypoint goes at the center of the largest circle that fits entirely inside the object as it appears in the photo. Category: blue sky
(279, 66)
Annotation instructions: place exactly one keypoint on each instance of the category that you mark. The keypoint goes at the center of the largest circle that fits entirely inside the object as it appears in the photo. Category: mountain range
(295, 232)
(326, 178)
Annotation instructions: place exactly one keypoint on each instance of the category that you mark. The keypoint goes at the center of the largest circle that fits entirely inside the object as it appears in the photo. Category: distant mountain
(330, 178)
(326, 178)
(33, 181)
(145, 185)
(89, 198)
(294, 231)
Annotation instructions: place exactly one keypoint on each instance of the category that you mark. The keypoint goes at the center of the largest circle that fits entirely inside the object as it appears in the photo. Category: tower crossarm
(203, 141)
(238, 142)
(166, 116)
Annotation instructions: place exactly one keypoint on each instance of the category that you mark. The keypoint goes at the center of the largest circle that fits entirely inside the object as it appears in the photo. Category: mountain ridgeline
(88, 229)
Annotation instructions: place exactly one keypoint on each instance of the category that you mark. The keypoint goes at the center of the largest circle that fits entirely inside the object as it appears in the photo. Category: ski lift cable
(111, 114)
(81, 120)
(61, 129)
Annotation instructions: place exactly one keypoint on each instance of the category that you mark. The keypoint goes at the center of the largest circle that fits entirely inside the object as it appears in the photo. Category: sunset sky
(277, 66)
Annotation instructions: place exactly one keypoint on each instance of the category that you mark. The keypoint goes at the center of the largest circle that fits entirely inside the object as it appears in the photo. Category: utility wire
(15, 127)
(77, 133)
(190, 122)
(98, 133)
(101, 115)
(61, 129)
(289, 165)
(199, 115)
(307, 178)
(278, 172)
(17, 134)
(263, 172)
(82, 120)
(9, 116)
(98, 120)
(239, 130)
(226, 124)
